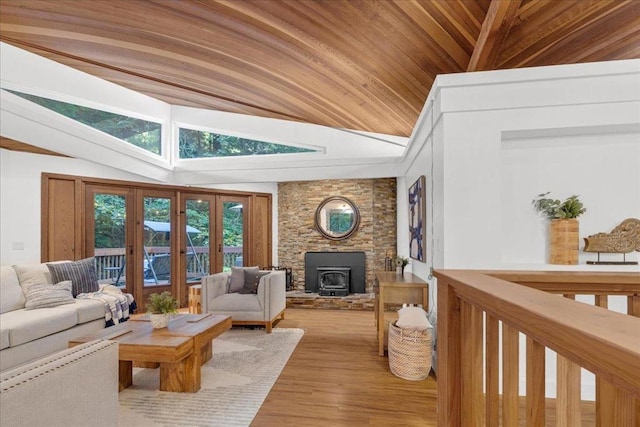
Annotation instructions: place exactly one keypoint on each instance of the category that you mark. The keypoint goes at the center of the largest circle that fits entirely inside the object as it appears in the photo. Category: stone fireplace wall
(376, 236)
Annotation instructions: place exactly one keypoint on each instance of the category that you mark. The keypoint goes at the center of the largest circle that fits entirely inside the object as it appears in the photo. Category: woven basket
(409, 352)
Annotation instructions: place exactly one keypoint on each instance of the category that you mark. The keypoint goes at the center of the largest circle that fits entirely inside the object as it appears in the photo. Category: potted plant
(564, 226)
(401, 263)
(160, 308)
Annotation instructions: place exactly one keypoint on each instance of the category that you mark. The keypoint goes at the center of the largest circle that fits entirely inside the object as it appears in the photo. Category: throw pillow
(32, 274)
(237, 278)
(43, 295)
(82, 274)
(251, 281)
(413, 318)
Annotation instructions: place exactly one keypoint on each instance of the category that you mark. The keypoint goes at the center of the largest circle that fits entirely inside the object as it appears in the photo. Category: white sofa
(74, 387)
(30, 334)
(261, 308)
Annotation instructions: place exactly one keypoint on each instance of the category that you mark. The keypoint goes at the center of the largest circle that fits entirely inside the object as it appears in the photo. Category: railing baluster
(510, 375)
(633, 309)
(601, 390)
(535, 384)
(472, 365)
(602, 301)
(633, 305)
(614, 407)
(492, 371)
(568, 411)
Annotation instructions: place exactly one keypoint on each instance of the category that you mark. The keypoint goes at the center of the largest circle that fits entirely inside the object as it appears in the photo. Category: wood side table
(390, 287)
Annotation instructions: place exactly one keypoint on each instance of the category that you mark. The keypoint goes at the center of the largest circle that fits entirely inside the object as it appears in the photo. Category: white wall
(501, 138)
(427, 160)
(20, 175)
(490, 222)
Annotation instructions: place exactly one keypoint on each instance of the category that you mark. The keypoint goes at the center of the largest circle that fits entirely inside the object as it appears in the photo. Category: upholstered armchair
(246, 303)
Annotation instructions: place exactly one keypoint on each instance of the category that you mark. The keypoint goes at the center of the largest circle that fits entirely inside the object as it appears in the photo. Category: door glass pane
(157, 241)
(197, 250)
(232, 235)
(110, 237)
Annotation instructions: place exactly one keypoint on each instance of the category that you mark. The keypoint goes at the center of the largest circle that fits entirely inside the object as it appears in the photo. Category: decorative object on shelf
(564, 227)
(288, 275)
(623, 239)
(388, 261)
(160, 308)
(337, 218)
(401, 263)
(417, 219)
(195, 299)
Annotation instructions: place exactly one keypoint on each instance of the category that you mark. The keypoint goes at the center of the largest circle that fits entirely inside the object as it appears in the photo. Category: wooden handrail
(602, 341)
(579, 282)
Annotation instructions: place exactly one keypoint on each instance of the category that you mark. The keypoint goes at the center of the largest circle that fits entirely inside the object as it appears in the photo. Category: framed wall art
(417, 220)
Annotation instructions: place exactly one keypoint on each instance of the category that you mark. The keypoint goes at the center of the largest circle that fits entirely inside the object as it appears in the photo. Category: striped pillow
(81, 273)
(43, 295)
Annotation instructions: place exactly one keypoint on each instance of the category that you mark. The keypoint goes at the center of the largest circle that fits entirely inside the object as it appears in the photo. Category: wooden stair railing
(473, 304)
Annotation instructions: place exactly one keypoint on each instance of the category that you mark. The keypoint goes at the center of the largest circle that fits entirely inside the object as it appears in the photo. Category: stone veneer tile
(376, 236)
(362, 302)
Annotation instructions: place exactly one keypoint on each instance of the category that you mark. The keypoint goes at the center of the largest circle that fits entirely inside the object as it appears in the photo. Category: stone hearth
(301, 299)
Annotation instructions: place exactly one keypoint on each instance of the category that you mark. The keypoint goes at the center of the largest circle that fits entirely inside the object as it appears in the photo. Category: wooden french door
(145, 237)
(156, 244)
(232, 225)
(197, 241)
(132, 233)
(109, 234)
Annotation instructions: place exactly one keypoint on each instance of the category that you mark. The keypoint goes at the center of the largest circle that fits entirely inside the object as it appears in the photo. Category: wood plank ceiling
(360, 64)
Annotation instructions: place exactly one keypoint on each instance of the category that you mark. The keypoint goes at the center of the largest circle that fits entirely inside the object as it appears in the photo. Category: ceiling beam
(12, 144)
(494, 30)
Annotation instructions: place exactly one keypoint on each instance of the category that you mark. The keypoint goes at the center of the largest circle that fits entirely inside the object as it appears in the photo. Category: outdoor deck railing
(109, 260)
(472, 305)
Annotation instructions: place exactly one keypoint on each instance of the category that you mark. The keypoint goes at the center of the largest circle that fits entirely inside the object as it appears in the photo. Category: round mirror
(337, 218)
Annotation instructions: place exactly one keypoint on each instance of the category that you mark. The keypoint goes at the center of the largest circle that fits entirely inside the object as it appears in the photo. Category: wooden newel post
(564, 241)
(449, 357)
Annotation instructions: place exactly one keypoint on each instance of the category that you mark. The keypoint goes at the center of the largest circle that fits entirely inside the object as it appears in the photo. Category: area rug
(235, 382)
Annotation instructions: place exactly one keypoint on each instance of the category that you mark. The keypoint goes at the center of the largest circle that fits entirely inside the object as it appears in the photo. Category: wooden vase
(564, 241)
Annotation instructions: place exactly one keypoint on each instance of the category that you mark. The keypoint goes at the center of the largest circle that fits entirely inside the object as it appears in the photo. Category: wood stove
(333, 281)
(343, 273)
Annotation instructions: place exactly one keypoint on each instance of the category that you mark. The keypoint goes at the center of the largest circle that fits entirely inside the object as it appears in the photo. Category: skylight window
(141, 133)
(195, 144)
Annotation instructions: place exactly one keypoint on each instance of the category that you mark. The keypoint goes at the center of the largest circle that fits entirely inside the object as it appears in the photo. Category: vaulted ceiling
(365, 65)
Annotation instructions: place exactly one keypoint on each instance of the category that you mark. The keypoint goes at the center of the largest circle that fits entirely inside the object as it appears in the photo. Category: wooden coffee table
(179, 350)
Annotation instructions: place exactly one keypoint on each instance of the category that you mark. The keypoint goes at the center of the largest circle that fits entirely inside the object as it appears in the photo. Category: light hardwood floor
(336, 378)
